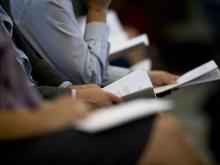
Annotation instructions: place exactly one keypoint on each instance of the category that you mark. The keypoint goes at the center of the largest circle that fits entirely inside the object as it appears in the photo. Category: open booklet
(201, 74)
(117, 115)
(120, 44)
(138, 84)
(135, 85)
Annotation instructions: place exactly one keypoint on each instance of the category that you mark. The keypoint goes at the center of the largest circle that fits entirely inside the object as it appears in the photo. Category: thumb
(114, 99)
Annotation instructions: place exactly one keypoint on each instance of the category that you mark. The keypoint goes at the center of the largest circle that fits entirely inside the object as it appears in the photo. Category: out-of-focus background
(183, 34)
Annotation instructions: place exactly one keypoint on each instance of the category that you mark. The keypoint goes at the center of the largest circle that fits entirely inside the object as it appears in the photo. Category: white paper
(113, 116)
(204, 73)
(145, 65)
(119, 47)
(211, 76)
(197, 72)
(133, 82)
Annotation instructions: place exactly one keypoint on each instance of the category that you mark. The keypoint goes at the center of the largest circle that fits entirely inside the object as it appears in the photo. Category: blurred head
(15, 91)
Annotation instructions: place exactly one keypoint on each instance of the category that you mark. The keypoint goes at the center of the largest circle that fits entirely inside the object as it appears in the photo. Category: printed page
(106, 118)
(194, 74)
(133, 82)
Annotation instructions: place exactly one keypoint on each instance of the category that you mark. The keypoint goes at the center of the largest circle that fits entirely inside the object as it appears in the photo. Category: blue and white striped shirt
(51, 27)
(7, 24)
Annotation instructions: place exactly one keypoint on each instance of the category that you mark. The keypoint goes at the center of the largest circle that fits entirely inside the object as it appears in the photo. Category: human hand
(63, 112)
(96, 97)
(87, 86)
(160, 78)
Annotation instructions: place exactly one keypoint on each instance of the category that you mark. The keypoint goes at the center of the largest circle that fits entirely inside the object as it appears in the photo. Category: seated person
(82, 59)
(36, 132)
(52, 83)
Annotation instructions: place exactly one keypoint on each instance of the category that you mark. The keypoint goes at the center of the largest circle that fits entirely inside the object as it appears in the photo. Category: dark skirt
(119, 146)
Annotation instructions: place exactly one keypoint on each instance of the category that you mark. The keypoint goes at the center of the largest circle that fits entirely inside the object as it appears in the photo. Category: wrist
(97, 15)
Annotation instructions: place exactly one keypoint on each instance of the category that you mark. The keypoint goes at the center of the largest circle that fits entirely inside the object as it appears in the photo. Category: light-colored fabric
(7, 23)
(65, 84)
(51, 27)
(74, 93)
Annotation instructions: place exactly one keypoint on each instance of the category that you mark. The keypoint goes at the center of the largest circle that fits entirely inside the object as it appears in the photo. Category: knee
(167, 125)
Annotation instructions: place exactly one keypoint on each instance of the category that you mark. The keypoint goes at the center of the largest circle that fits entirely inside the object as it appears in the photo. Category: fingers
(114, 99)
(81, 110)
(160, 78)
(173, 77)
(169, 78)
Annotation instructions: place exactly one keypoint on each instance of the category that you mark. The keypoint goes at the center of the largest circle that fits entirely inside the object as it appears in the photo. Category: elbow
(85, 74)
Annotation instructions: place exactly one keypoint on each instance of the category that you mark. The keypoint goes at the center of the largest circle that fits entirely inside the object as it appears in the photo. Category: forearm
(97, 10)
(96, 16)
(18, 125)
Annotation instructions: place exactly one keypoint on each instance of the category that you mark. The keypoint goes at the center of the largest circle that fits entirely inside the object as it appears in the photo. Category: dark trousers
(119, 146)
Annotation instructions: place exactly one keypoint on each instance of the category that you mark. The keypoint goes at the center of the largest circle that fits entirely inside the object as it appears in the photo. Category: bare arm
(48, 118)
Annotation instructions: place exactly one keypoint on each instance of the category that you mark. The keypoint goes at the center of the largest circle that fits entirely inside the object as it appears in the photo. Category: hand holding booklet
(134, 85)
(138, 84)
(201, 74)
(114, 116)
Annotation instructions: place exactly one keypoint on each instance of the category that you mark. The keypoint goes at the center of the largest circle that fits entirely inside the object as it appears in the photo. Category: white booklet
(138, 84)
(201, 74)
(120, 47)
(135, 85)
(117, 115)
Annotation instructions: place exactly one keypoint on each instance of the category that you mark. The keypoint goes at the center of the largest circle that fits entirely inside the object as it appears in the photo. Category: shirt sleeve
(65, 84)
(81, 58)
(115, 73)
